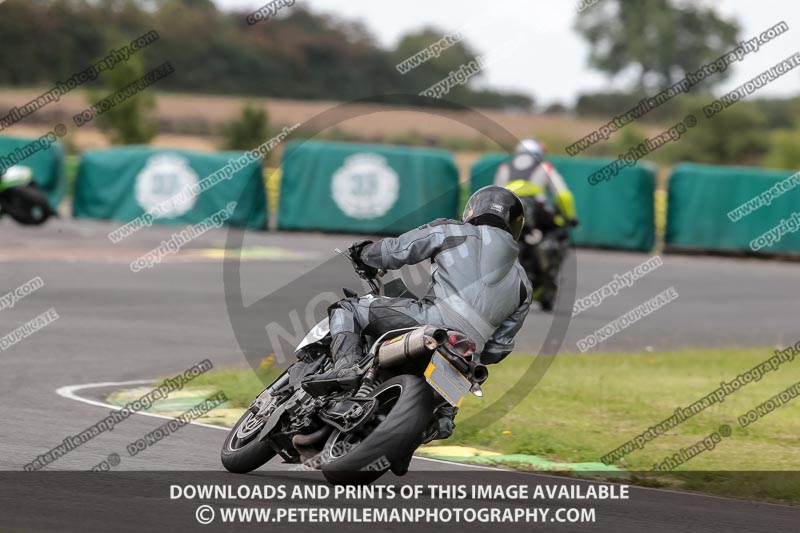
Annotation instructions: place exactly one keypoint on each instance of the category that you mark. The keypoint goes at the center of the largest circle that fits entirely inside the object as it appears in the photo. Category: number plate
(447, 380)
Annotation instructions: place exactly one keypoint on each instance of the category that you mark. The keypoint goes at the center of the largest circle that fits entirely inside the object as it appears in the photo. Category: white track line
(70, 390)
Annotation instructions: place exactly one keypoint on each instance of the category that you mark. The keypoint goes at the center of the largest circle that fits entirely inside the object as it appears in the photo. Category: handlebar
(374, 283)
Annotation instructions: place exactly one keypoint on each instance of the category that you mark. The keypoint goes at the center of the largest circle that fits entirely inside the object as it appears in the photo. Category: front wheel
(390, 438)
(242, 452)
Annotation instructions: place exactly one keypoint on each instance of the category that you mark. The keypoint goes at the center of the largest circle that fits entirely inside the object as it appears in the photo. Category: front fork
(263, 401)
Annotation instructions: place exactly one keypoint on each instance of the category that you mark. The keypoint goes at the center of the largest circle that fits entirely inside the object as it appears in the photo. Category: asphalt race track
(116, 325)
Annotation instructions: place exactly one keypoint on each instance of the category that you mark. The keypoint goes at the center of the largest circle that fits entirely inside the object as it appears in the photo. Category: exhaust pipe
(479, 373)
(306, 445)
(419, 342)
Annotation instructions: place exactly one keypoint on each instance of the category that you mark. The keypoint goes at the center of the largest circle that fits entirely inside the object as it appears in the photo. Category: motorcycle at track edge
(542, 250)
(355, 437)
(22, 199)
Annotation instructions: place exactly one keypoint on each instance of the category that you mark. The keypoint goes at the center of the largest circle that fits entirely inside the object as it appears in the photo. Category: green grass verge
(587, 405)
(241, 386)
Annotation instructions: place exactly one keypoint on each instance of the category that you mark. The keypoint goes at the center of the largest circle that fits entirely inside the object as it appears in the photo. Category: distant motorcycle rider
(549, 212)
(477, 286)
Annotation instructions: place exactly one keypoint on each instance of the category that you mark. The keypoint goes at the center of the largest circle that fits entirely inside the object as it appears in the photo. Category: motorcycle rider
(477, 287)
(535, 180)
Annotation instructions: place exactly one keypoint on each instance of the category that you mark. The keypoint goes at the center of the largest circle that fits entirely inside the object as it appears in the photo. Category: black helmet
(496, 206)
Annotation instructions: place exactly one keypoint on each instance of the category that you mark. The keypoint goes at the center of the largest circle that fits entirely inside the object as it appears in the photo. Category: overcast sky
(532, 44)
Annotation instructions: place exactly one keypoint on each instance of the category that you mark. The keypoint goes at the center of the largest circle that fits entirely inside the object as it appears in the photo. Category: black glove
(363, 269)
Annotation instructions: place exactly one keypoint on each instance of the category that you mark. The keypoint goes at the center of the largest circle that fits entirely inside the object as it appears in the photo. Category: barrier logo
(160, 183)
(365, 187)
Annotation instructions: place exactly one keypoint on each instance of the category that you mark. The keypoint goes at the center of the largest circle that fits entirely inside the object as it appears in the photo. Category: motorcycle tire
(405, 411)
(27, 205)
(242, 455)
(547, 301)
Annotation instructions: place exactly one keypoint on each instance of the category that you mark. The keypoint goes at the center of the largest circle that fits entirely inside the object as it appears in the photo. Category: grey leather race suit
(477, 287)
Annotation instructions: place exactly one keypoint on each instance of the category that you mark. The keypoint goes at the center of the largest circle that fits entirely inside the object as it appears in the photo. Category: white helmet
(531, 147)
(18, 173)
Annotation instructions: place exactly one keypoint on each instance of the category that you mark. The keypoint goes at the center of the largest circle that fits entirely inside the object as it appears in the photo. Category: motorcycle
(357, 436)
(543, 246)
(21, 198)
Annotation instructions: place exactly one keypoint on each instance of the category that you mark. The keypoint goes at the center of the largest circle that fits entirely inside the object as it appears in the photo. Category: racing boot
(346, 352)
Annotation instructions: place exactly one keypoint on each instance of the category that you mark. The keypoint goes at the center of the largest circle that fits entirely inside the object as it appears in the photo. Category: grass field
(182, 128)
(587, 405)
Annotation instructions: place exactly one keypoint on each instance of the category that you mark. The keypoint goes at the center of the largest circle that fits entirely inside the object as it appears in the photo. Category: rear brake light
(459, 344)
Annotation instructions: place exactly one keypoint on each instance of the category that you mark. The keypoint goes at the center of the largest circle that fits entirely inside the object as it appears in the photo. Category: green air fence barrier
(123, 183)
(364, 188)
(618, 213)
(702, 196)
(47, 165)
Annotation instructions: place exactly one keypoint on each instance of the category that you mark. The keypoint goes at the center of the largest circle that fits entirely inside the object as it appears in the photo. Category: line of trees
(654, 44)
(298, 54)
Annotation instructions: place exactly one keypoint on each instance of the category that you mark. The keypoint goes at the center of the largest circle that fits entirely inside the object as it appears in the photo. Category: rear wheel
(242, 452)
(390, 438)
